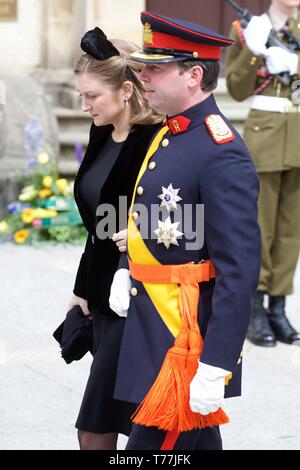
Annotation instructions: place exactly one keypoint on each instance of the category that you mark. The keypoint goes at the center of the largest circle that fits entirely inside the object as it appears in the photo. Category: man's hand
(121, 240)
(75, 300)
(120, 292)
(207, 389)
(257, 32)
(279, 60)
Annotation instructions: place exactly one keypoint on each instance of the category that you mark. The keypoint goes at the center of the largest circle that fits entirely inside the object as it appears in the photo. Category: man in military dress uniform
(187, 300)
(272, 133)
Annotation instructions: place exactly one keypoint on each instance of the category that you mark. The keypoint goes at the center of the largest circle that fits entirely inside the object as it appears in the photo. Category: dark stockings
(94, 441)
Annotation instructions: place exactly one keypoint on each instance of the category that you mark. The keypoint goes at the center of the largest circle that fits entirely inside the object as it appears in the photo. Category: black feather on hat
(96, 44)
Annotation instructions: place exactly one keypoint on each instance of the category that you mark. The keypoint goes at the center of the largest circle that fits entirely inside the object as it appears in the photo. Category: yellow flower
(69, 189)
(61, 184)
(4, 227)
(47, 181)
(28, 189)
(41, 213)
(50, 213)
(44, 193)
(28, 195)
(21, 236)
(43, 158)
(27, 216)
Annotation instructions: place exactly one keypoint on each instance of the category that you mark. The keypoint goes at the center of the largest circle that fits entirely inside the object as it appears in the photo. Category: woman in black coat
(122, 130)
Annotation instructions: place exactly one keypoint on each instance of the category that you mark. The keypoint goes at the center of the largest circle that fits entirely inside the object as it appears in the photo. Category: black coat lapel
(123, 175)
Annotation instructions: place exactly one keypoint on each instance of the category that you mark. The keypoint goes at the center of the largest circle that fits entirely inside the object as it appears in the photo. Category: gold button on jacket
(134, 291)
(152, 165)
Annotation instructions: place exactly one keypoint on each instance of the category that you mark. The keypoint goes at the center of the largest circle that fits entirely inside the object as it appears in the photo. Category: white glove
(120, 292)
(279, 60)
(257, 32)
(207, 389)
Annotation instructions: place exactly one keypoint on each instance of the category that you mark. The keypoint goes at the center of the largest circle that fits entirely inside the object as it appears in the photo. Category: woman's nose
(85, 106)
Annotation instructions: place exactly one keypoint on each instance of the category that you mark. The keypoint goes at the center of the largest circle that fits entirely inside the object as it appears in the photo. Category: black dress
(109, 170)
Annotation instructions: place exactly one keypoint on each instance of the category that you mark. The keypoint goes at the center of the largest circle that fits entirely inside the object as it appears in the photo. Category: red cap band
(168, 41)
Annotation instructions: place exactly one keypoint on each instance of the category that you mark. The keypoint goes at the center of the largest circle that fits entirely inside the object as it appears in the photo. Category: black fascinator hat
(96, 44)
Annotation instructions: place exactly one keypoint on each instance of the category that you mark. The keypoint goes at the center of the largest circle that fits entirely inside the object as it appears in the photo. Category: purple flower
(79, 153)
(34, 138)
(31, 162)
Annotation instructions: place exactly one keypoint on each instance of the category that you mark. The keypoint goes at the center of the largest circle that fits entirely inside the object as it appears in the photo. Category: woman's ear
(127, 88)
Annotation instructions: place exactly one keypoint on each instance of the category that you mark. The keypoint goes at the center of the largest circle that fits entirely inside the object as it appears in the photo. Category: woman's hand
(75, 300)
(121, 240)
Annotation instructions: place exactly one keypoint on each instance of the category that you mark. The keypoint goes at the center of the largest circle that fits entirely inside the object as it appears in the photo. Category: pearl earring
(126, 102)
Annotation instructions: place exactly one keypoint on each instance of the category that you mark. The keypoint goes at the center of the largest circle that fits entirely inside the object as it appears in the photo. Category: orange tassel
(166, 405)
(160, 406)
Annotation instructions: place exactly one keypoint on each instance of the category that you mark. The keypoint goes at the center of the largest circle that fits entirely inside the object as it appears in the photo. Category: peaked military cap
(172, 40)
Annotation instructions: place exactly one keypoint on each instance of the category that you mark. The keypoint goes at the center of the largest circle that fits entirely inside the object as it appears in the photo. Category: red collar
(177, 124)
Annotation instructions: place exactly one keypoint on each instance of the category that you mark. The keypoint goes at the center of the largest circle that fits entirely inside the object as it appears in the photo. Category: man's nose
(143, 75)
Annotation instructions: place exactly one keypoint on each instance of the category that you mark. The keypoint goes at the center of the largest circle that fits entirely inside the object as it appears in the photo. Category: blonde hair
(114, 72)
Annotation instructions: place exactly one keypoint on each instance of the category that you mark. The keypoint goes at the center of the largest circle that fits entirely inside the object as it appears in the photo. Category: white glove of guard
(279, 60)
(120, 292)
(207, 389)
(257, 32)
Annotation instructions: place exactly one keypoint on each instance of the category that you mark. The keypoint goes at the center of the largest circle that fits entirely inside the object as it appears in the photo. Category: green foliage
(45, 210)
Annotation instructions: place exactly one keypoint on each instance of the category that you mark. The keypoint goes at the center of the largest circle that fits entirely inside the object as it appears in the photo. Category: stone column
(60, 33)
(79, 23)
(118, 19)
(2, 120)
(20, 39)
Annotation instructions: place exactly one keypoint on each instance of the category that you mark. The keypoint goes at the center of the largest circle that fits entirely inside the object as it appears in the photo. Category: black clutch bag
(75, 335)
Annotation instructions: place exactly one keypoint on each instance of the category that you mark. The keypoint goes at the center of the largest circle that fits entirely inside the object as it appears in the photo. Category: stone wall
(119, 19)
(21, 40)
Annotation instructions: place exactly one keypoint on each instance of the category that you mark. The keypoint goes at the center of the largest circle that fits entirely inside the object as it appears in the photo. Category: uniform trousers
(151, 438)
(279, 220)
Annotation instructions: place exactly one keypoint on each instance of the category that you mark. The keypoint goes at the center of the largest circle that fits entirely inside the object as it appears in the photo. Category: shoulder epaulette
(218, 129)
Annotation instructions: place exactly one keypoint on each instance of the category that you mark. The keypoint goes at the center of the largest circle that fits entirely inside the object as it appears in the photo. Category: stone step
(67, 162)
(71, 138)
(72, 120)
(66, 113)
(67, 168)
(74, 126)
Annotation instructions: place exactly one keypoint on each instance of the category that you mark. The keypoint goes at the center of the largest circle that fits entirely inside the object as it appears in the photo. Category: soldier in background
(272, 133)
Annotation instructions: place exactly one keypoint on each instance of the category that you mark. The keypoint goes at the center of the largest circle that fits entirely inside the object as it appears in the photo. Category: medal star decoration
(167, 232)
(169, 197)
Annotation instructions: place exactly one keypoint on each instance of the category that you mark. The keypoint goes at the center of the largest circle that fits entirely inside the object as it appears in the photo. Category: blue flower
(13, 207)
(17, 206)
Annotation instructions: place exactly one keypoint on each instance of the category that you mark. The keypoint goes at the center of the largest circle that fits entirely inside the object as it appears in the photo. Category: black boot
(281, 326)
(259, 331)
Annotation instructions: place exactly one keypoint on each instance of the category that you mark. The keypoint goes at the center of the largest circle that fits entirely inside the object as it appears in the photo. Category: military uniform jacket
(273, 138)
(221, 176)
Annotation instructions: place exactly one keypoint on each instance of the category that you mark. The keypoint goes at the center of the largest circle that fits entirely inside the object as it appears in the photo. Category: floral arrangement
(45, 210)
